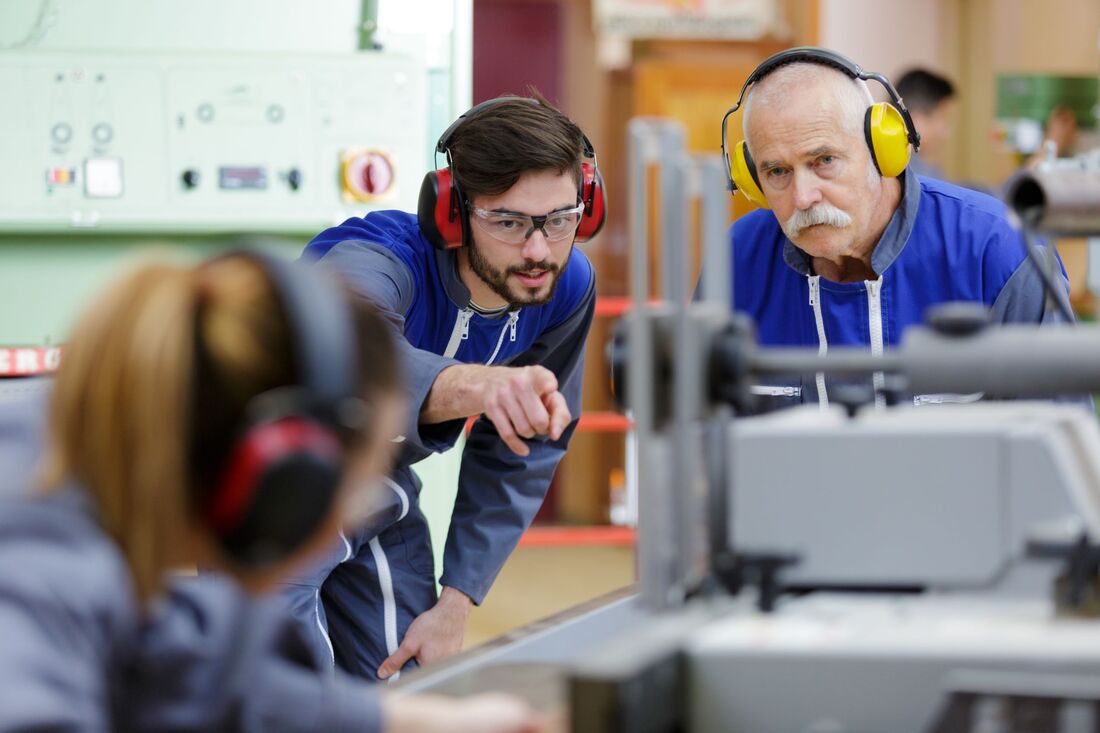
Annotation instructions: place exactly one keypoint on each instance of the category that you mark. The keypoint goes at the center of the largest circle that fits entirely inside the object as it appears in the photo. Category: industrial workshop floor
(539, 581)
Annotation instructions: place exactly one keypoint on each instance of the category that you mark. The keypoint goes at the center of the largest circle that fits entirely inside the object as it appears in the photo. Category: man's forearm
(454, 598)
(456, 393)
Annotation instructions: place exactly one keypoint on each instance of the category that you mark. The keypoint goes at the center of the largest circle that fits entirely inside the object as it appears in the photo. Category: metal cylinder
(1017, 360)
(1011, 360)
(1059, 201)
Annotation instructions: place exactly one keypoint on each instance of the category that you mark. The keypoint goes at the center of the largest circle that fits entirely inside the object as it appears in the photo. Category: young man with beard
(856, 248)
(493, 305)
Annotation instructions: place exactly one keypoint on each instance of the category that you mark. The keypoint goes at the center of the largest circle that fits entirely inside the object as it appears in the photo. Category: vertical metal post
(717, 280)
(673, 214)
(672, 485)
(642, 151)
(640, 382)
(686, 486)
(717, 285)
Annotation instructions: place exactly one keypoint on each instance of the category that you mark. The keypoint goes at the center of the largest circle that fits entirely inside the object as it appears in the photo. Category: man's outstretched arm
(499, 492)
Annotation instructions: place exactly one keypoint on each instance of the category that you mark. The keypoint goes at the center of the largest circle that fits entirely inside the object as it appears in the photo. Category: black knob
(763, 569)
(852, 396)
(190, 178)
(958, 319)
(294, 179)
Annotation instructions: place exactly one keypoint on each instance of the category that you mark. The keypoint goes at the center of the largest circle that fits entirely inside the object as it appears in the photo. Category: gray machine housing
(831, 663)
(939, 498)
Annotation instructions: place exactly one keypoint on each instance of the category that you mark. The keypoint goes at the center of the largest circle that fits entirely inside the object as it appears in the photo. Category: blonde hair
(122, 404)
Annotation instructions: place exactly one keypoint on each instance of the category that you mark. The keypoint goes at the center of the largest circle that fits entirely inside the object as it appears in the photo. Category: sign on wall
(733, 19)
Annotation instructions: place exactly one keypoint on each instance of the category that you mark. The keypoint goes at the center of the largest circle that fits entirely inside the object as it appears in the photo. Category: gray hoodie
(76, 653)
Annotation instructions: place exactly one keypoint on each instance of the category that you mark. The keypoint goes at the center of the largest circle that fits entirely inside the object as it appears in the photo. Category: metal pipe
(1016, 360)
(1059, 200)
(838, 362)
(1010, 360)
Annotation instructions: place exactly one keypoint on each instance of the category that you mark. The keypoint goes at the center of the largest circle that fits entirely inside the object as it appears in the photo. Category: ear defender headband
(442, 211)
(272, 489)
(888, 128)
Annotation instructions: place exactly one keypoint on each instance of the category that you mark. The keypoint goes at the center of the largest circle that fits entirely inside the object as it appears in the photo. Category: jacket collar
(446, 262)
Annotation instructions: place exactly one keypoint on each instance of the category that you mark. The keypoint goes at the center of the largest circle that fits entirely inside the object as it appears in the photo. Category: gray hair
(852, 94)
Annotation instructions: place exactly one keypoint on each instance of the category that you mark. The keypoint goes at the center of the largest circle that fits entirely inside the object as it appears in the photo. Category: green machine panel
(105, 153)
(201, 142)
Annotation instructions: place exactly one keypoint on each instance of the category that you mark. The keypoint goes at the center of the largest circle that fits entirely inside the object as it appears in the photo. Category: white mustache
(819, 214)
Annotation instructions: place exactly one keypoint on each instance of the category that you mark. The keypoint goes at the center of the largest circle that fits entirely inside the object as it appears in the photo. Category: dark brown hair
(490, 151)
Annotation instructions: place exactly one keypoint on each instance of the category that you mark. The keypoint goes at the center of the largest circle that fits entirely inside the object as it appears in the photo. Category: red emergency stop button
(367, 174)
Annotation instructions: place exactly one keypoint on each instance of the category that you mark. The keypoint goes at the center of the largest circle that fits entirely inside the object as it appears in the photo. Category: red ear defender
(440, 210)
(595, 206)
(255, 454)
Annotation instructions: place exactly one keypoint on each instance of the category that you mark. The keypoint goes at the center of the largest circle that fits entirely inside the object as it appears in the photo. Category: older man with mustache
(847, 255)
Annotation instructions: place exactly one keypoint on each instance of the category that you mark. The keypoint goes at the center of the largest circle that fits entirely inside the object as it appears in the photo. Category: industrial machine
(926, 568)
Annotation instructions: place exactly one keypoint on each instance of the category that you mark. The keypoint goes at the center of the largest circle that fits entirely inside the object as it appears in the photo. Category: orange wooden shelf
(616, 305)
(603, 422)
(602, 535)
(590, 422)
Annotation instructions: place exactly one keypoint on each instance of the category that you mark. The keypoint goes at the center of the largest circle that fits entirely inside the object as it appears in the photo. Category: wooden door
(697, 93)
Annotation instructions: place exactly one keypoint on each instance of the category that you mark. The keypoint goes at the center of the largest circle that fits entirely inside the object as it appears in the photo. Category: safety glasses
(517, 228)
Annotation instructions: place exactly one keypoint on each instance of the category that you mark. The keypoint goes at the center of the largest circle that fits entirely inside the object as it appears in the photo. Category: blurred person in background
(930, 99)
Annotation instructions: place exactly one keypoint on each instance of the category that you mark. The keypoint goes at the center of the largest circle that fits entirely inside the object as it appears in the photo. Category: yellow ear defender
(887, 126)
(744, 176)
(888, 138)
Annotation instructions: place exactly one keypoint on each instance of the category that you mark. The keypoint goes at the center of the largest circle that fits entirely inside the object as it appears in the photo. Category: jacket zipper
(459, 333)
(513, 316)
(822, 342)
(874, 311)
(767, 390)
(947, 398)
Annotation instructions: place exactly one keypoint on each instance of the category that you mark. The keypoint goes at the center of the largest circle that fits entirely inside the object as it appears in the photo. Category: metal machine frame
(711, 642)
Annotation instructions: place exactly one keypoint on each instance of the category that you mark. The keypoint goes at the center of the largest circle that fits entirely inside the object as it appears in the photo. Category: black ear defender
(441, 209)
(269, 492)
(888, 127)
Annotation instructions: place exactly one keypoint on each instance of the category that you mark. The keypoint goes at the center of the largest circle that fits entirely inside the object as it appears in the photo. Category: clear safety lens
(516, 228)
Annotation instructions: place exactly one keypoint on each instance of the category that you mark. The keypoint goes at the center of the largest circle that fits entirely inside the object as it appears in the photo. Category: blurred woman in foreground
(233, 415)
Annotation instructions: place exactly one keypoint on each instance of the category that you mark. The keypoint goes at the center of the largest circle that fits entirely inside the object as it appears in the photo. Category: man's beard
(497, 280)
